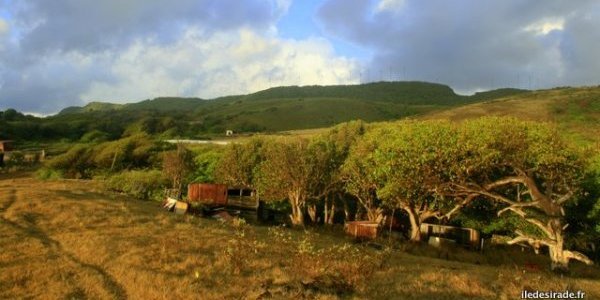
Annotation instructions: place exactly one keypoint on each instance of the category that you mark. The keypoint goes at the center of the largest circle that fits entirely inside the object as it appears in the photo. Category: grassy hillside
(91, 107)
(575, 110)
(275, 109)
(86, 244)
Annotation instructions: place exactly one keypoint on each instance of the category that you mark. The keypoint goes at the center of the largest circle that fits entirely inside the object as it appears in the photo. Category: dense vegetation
(499, 175)
(525, 173)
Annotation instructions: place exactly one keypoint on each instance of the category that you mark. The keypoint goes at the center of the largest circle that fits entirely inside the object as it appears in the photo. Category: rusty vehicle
(362, 229)
(221, 195)
(468, 237)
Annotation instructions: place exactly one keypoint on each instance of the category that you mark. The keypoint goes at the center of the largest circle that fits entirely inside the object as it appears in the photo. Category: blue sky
(301, 22)
(60, 53)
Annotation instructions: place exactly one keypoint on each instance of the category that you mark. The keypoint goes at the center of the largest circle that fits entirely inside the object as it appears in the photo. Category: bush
(130, 152)
(95, 136)
(48, 174)
(141, 184)
(75, 163)
(16, 158)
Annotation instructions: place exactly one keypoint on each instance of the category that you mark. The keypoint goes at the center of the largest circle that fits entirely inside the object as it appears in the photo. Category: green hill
(91, 107)
(274, 109)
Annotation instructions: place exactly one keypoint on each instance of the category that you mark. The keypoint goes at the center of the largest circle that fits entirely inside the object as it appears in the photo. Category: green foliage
(127, 153)
(49, 174)
(206, 161)
(75, 163)
(141, 184)
(95, 136)
(16, 158)
(293, 169)
(83, 160)
(239, 163)
(177, 165)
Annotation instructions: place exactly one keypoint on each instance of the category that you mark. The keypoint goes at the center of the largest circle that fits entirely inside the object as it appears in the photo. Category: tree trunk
(331, 213)
(297, 216)
(559, 261)
(346, 212)
(415, 224)
(312, 213)
(375, 214)
(558, 256)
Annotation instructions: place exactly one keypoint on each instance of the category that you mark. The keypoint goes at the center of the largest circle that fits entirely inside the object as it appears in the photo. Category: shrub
(141, 184)
(95, 136)
(339, 269)
(75, 163)
(49, 174)
(16, 158)
(130, 152)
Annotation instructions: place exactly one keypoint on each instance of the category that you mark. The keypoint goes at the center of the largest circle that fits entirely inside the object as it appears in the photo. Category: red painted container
(207, 193)
(362, 229)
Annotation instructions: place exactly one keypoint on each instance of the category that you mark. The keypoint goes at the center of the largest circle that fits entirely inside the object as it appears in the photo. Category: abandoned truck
(219, 197)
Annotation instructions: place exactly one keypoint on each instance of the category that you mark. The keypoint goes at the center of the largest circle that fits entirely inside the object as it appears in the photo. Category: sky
(60, 53)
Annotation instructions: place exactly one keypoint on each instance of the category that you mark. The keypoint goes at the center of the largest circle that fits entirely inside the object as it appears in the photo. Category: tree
(239, 163)
(407, 163)
(207, 160)
(177, 165)
(334, 147)
(291, 170)
(359, 179)
(530, 171)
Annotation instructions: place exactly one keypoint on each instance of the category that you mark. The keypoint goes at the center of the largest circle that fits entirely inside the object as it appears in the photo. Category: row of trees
(430, 169)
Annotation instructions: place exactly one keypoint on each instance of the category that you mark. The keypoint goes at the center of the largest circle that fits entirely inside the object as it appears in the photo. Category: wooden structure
(6, 146)
(206, 193)
(464, 236)
(362, 229)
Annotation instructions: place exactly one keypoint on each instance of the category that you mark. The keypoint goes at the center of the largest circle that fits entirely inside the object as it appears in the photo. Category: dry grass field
(70, 240)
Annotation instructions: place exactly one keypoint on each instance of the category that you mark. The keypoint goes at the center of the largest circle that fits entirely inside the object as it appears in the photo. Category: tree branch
(530, 240)
(504, 181)
(459, 206)
(564, 198)
(535, 222)
(578, 256)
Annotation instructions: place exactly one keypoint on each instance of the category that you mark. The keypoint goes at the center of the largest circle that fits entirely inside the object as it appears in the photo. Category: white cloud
(231, 62)
(3, 27)
(390, 5)
(545, 26)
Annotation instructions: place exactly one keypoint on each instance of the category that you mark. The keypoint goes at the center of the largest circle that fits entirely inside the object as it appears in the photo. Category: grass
(575, 110)
(69, 239)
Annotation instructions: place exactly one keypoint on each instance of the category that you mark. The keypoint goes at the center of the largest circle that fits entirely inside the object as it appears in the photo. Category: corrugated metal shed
(208, 193)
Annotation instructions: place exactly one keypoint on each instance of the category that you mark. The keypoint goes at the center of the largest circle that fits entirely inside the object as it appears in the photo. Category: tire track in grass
(110, 283)
(11, 199)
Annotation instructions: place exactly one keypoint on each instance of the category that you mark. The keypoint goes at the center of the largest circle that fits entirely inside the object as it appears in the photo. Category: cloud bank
(474, 45)
(59, 53)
